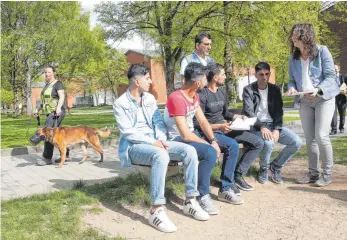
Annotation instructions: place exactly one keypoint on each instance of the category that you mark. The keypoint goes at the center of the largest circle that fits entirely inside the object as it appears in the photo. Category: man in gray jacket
(143, 141)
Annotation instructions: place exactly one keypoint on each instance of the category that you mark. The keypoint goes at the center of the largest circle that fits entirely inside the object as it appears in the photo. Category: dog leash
(30, 121)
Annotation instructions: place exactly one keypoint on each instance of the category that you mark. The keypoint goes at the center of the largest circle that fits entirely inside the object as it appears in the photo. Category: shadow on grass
(336, 194)
(121, 194)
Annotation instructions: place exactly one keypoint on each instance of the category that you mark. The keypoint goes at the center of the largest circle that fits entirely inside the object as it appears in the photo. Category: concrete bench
(174, 166)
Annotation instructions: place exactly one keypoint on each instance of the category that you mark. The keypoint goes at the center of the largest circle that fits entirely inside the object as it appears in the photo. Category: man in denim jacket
(143, 141)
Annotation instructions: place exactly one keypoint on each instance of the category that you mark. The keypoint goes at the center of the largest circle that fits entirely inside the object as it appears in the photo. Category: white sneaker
(193, 208)
(207, 204)
(161, 221)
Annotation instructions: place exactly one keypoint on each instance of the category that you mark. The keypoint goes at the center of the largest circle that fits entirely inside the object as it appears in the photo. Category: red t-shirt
(178, 105)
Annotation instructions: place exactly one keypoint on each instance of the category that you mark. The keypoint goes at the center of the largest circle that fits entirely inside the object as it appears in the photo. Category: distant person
(52, 105)
(263, 100)
(340, 104)
(201, 54)
(311, 68)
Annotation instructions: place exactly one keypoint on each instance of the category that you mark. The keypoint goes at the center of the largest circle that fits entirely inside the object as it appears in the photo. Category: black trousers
(340, 107)
(53, 121)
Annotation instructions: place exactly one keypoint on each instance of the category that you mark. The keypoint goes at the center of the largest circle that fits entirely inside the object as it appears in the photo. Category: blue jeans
(207, 156)
(159, 159)
(287, 137)
(230, 149)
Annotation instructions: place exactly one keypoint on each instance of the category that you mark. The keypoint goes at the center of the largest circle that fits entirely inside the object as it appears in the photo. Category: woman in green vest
(52, 105)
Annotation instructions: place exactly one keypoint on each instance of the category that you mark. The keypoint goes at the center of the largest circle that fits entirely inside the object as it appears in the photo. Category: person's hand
(244, 117)
(312, 95)
(58, 111)
(266, 133)
(345, 91)
(160, 144)
(165, 145)
(275, 135)
(290, 92)
(225, 127)
(214, 144)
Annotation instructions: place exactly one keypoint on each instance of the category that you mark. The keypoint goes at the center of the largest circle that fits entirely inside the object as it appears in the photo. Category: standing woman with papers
(311, 69)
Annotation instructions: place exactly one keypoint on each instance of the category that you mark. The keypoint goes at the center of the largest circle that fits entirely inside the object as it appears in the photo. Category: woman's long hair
(306, 34)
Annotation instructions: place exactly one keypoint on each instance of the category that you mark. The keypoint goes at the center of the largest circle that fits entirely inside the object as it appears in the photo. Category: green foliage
(6, 96)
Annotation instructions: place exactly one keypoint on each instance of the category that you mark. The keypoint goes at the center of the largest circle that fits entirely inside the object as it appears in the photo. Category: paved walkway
(20, 176)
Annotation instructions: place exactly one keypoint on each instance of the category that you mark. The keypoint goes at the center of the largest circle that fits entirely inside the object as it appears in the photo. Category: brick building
(341, 30)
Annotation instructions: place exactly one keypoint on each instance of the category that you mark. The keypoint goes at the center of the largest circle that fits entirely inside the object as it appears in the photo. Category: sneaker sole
(317, 185)
(234, 203)
(277, 182)
(244, 189)
(162, 230)
(199, 219)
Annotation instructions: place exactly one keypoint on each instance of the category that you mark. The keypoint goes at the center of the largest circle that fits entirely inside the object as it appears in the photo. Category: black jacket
(251, 100)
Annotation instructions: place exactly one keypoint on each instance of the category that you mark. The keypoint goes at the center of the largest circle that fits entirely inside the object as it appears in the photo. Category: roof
(148, 53)
(327, 4)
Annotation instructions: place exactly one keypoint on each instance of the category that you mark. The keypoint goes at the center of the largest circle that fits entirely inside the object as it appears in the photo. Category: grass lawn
(339, 148)
(14, 130)
(86, 109)
(54, 215)
(288, 101)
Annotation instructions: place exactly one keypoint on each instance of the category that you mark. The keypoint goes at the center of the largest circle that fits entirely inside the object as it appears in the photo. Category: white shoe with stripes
(193, 209)
(161, 221)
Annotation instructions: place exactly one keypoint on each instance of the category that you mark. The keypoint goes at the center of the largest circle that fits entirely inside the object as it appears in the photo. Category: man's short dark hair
(136, 70)
(200, 36)
(212, 69)
(262, 66)
(193, 71)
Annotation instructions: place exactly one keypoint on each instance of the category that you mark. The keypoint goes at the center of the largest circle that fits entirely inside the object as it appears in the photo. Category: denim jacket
(321, 71)
(125, 112)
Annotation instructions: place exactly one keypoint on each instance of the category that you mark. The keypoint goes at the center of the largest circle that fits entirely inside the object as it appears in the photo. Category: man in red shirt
(182, 105)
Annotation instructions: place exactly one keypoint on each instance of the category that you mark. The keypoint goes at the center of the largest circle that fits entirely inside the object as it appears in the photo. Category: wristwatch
(213, 140)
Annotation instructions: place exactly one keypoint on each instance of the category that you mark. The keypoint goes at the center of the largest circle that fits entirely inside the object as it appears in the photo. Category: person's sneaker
(323, 180)
(206, 204)
(263, 175)
(44, 161)
(276, 175)
(229, 197)
(161, 221)
(342, 130)
(242, 184)
(333, 132)
(67, 159)
(308, 178)
(236, 189)
(192, 208)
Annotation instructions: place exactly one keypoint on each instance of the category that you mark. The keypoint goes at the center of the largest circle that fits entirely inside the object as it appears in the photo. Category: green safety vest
(49, 104)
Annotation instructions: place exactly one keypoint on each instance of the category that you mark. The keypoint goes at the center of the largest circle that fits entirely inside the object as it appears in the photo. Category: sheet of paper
(300, 93)
(240, 124)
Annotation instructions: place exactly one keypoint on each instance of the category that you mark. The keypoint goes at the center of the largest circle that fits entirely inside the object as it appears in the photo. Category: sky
(135, 43)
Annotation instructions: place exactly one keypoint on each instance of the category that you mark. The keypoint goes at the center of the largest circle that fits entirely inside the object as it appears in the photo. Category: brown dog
(63, 137)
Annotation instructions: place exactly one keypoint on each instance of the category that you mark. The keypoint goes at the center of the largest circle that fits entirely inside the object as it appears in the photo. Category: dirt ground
(287, 211)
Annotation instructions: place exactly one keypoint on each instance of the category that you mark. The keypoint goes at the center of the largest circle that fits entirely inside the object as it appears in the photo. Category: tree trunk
(228, 66)
(28, 87)
(169, 70)
(105, 97)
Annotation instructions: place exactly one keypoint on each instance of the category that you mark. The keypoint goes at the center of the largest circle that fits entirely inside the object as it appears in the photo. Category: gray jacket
(321, 71)
(125, 111)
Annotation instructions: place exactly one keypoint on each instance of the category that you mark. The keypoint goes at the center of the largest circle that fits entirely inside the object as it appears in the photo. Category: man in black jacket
(263, 100)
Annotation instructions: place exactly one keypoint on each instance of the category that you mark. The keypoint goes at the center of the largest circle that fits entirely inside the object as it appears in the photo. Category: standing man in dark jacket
(340, 104)
(263, 100)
